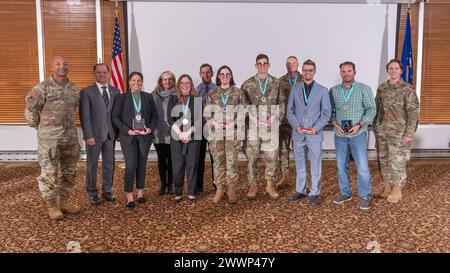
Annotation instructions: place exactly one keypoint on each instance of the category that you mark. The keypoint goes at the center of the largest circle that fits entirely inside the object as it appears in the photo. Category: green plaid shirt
(361, 105)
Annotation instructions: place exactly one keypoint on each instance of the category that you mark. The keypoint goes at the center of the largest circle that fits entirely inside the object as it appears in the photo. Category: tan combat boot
(270, 189)
(396, 194)
(219, 193)
(53, 211)
(231, 192)
(283, 182)
(66, 206)
(386, 191)
(252, 190)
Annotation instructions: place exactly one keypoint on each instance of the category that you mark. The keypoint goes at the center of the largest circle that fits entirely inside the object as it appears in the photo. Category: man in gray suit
(308, 111)
(95, 115)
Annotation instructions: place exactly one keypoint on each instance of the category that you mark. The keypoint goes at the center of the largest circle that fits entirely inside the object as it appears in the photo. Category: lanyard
(263, 91)
(304, 93)
(137, 107)
(290, 81)
(224, 99)
(185, 107)
(347, 95)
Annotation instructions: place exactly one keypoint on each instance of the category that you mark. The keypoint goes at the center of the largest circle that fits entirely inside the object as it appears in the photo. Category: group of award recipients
(296, 108)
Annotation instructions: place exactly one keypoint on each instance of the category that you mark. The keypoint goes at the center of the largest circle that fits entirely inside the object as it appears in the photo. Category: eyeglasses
(262, 64)
(224, 75)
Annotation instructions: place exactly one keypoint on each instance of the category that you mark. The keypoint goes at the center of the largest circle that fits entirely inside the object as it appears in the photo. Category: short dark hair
(218, 82)
(262, 56)
(394, 61)
(134, 73)
(309, 62)
(95, 66)
(348, 63)
(207, 65)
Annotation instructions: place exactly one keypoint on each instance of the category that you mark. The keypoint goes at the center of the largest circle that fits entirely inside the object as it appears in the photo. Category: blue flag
(407, 57)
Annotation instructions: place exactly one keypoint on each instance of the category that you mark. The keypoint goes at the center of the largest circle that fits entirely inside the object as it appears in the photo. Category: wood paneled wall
(69, 29)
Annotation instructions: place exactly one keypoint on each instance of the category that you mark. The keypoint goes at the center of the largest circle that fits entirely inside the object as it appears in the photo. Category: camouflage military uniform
(225, 152)
(397, 117)
(50, 108)
(273, 96)
(285, 128)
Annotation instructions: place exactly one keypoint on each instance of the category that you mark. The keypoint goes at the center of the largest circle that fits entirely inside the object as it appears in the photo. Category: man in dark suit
(98, 132)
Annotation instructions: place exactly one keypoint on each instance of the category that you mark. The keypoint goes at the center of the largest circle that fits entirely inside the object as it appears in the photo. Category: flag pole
(117, 8)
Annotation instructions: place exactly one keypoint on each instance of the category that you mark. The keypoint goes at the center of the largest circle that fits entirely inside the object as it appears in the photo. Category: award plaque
(307, 124)
(346, 125)
(138, 125)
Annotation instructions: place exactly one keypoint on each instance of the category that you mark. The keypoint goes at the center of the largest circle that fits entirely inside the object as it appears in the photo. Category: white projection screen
(180, 36)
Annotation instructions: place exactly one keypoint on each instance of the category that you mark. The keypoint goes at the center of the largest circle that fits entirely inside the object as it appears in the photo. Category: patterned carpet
(420, 223)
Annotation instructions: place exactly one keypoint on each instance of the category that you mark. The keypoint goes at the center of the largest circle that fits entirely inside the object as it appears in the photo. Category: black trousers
(201, 165)
(164, 166)
(185, 161)
(135, 155)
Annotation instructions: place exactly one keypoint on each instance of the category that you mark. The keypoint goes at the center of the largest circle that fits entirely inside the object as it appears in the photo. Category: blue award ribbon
(304, 93)
(224, 100)
(137, 107)
(294, 81)
(349, 93)
(263, 91)
(185, 107)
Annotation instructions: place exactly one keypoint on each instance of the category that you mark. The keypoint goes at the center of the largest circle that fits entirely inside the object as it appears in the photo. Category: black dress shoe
(142, 200)
(94, 200)
(131, 205)
(314, 199)
(297, 196)
(161, 192)
(109, 197)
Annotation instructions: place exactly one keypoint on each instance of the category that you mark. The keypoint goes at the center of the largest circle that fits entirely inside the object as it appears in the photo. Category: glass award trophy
(346, 125)
(138, 125)
(307, 124)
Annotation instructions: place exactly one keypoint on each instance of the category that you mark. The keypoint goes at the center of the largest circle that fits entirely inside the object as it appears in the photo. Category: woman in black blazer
(184, 147)
(130, 109)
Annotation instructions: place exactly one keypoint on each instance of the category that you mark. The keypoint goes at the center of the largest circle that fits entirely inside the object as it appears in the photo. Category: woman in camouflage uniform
(221, 115)
(396, 122)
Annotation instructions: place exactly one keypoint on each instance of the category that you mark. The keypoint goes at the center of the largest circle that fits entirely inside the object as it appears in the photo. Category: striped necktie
(105, 96)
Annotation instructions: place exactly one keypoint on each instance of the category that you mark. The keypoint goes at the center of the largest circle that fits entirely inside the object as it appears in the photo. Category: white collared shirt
(99, 85)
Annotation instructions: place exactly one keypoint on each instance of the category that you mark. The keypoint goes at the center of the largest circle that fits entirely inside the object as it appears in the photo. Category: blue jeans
(358, 147)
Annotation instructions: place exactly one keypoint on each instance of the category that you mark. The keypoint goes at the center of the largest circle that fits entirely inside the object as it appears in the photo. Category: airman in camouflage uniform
(263, 91)
(50, 109)
(396, 122)
(291, 79)
(224, 142)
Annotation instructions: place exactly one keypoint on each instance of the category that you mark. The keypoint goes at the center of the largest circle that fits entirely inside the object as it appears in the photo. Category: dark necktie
(206, 90)
(105, 97)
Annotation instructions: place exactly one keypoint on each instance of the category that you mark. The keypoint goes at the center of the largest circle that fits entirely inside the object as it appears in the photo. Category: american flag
(116, 66)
